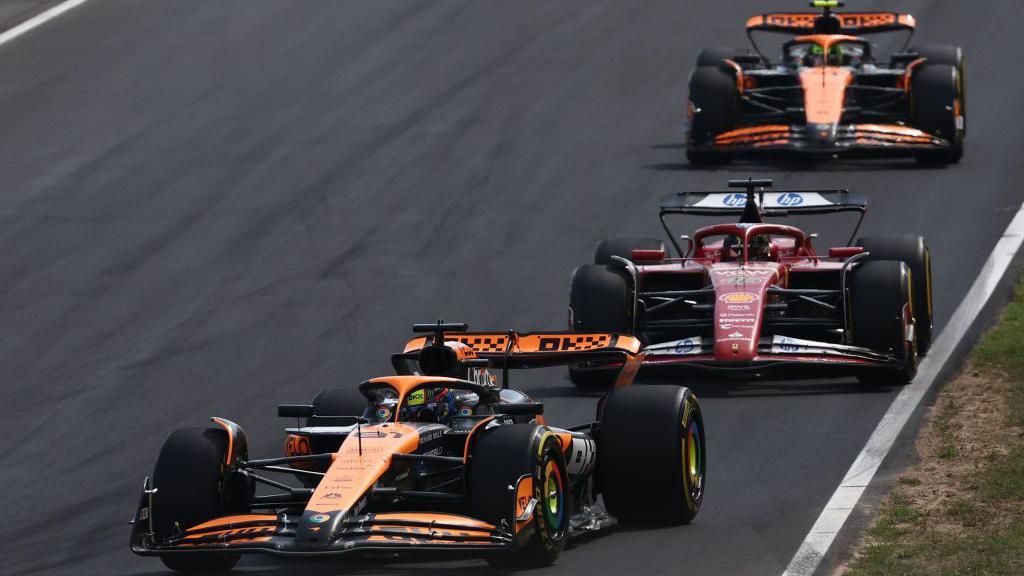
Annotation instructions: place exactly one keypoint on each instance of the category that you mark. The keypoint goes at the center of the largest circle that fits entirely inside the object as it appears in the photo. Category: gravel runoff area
(960, 509)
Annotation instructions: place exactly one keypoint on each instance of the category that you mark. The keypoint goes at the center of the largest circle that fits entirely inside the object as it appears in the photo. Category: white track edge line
(817, 542)
(39, 19)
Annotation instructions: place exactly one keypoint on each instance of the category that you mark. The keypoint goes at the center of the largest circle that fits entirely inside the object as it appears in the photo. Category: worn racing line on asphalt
(209, 208)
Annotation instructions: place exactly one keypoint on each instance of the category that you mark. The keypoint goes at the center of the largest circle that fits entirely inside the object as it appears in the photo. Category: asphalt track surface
(209, 208)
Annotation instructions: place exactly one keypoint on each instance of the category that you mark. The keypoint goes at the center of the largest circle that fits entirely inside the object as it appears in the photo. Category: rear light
(845, 251)
(647, 255)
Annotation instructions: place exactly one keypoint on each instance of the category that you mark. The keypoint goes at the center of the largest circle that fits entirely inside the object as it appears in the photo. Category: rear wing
(515, 350)
(772, 203)
(854, 23)
(762, 203)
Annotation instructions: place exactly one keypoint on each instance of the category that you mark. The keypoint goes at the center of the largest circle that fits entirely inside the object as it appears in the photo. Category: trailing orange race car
(830, 94)
(437, 458)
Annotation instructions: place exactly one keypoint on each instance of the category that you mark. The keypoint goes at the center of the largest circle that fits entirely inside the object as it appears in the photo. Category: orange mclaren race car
(437, 458)
(753, 298)
(829, 93)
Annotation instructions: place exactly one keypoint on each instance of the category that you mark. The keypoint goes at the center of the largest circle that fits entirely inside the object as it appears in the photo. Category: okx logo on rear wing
(514, 350)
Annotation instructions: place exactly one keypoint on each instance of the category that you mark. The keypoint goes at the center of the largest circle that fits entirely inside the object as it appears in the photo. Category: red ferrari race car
(753, 298)
(829, 93)
(438, 458)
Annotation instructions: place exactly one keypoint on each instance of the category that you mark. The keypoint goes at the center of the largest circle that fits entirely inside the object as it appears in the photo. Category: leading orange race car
(830, 94)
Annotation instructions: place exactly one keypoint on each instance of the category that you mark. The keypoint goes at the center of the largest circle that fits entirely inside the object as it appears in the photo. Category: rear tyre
(192, 487)
(713, 109)
(936, 107)
(652, 462)
(600, 300)
(945, 54)
(501, 458)
(336, 402)
(880, 295)
(623, 248)
(913, 250)
(714, 55)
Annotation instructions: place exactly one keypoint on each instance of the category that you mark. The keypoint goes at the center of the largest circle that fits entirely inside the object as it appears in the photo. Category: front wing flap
(276, 534)
(848, 138)
(776, 353)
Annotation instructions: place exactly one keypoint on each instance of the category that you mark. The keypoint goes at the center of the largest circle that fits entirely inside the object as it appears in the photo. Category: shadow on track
(710, 387)
(789, 163)
(266, 566)
(725, 388)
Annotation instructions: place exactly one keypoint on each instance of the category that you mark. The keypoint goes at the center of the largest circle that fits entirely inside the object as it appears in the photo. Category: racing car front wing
(843, 139)
(277, 535)
(777, 355)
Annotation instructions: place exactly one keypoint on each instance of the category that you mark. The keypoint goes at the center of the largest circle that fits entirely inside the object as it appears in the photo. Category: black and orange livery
(829, 94)
(438, 457)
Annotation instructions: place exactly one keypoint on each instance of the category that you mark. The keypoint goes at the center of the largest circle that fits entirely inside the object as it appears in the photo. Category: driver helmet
(732, 248)
(816, 55)
(465, 403)
(759, 248)
(429, 405)
(383, 409)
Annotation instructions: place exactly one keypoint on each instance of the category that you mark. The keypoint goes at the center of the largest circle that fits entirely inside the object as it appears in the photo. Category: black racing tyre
(191, 485)
(948, 55)
(623, 248)
(714, 55)
(600, 300)
(714, 108)
(500, 458)
(936, 107)
(879, 292)
(913, 250)
(336, 402)
(941, 54)
(651, 455)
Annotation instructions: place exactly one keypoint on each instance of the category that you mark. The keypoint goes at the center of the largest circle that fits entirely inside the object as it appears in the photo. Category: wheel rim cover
(693, 459)
(552, 502)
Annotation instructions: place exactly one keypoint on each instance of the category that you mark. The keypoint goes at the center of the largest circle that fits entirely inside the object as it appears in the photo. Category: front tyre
(713, 108)
(529, 457)
(949, 55)
(937, 107)
(880, 312)
(191, 479)
(913, 250)
(600, 300)
(651, 455)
